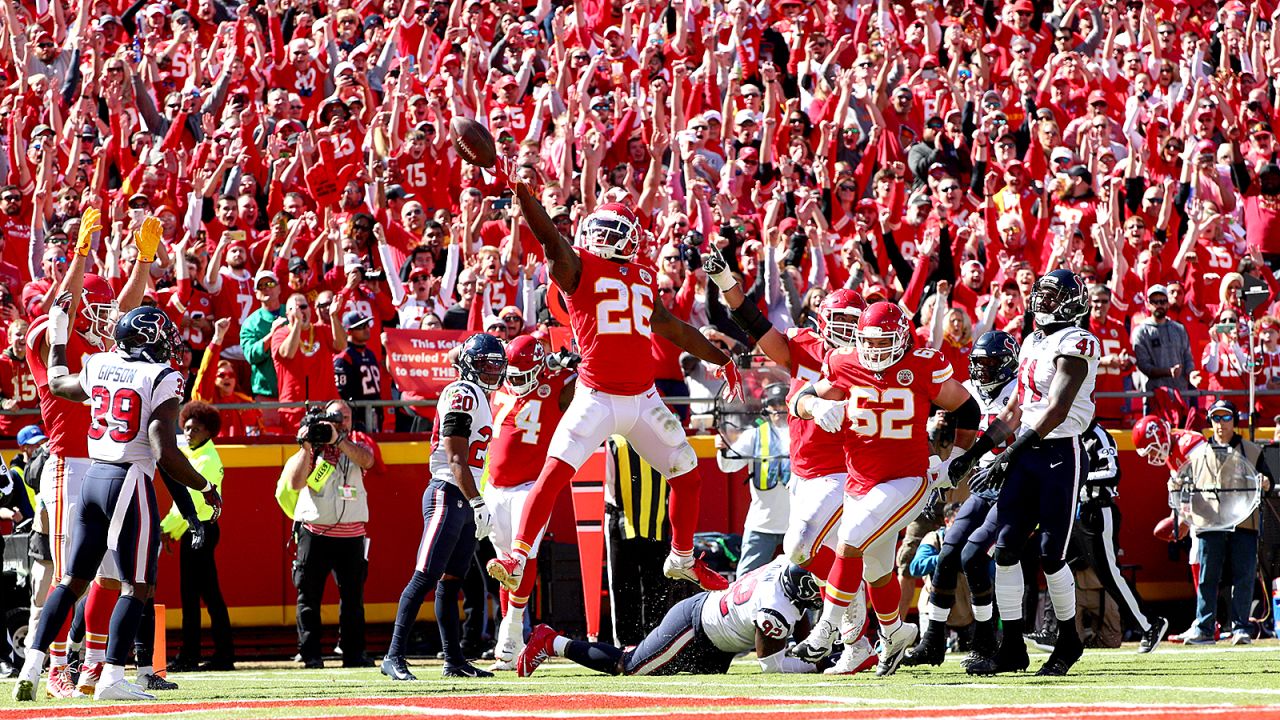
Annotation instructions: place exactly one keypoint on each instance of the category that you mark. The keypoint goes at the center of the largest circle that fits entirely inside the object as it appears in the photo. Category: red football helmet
(97, 306)
(884, 336)
(525, 360)
(838, 317)
(611, 232)
(1152, 438)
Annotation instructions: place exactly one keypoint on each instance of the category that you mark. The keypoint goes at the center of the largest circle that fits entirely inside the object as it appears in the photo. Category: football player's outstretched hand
(717, 268)
(148, 239)
(828, 414)
(90, 223)
(728, 372)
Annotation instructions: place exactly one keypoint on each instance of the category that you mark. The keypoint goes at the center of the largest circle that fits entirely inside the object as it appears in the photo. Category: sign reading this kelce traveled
(419, 359)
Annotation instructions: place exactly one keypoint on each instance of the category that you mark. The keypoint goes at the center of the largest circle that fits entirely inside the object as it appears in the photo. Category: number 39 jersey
(469, 399)
(1037, 366)
(610, 312)
(123, 393)
(522, 430)
(754, 601)
(884, 434)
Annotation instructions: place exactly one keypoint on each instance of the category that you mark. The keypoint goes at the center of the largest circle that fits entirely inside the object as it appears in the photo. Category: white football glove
(940, 472)
(828, 414)
(59, 325)
(484, 520)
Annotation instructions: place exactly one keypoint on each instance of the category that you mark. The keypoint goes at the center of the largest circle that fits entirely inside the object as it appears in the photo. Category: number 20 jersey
(467, 398)
(885, 437)
(1037, 366)
(610, 312)
(123, 393)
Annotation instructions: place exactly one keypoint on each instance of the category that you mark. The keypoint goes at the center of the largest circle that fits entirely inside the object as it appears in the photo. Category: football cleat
(1042, 640)
(507, 571)
(510, 645)
(24, 691)
(466, 670)
(536, 652)
(1154, 634)
(931, 650)
(152, 681)
(678, 567)
(856, 657)
(893, 648)
(853, 623)
(59, 684)
(88, 680)
(397, 669)
(821, 641)
(1066, 651)
(1011, 657)
(121, 690)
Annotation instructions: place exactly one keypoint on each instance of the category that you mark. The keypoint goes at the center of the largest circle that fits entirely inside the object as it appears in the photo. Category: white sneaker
(856, 657)
(121, 690)
(894, 647)
(510, 645)
(1240, 637)
(854, 619)
(818, 645)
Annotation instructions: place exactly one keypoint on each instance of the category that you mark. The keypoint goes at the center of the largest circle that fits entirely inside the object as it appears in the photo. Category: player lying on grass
(702, 634)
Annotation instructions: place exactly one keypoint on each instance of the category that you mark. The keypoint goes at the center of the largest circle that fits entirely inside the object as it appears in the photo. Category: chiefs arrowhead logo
(905, 377)
(544, 391)
(644, 275)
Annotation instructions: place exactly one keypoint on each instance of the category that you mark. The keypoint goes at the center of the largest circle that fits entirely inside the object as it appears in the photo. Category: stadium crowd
(940, 154)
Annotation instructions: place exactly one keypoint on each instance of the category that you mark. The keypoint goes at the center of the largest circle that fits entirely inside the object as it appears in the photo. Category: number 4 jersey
(469, 399)
(523, 427)
(610, 312)
(123, 393)
(1037, 366)
(884, 434)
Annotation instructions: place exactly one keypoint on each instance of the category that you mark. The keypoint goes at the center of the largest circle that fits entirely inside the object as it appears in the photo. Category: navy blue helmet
(801, 587)
(146, 333)
(993, 361)
(1058, 298)
(483, 361)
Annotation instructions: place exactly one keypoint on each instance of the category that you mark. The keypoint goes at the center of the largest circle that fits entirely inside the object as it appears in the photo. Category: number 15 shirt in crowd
(610, 312)
(123, 394)
(467, 398)
(884, 435)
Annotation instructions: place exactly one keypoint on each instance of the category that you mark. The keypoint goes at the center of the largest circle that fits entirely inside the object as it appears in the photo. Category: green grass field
(1172, 682)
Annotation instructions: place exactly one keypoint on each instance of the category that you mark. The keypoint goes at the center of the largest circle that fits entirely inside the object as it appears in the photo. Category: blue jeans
(1240, 548)
(758, 548)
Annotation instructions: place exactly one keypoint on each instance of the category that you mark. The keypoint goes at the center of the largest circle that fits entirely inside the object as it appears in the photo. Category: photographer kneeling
(328, 471)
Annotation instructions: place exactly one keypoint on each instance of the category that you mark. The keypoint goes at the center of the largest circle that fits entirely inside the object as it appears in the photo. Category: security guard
(765, 448)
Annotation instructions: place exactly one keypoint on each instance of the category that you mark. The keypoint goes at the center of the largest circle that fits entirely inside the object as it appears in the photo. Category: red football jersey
(523, 427)
(610, 312)
(17, 384)
(65, 423)
(884, 433)
(235, 300)
(815, 452)
(1184, 441)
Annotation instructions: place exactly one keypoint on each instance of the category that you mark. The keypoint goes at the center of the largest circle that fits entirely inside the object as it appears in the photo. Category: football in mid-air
(473, 142)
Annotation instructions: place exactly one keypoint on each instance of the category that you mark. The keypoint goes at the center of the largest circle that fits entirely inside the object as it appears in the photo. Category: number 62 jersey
(469, 399)
(1037, 366)
(122, 395)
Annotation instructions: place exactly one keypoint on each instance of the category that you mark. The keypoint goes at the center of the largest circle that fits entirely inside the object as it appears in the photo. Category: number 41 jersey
(610, 312)
(469, 399)
(123, 393)
(885, 437)
(1037, 366)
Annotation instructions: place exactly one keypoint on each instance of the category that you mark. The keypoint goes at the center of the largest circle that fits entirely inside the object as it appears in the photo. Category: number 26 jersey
(885, 437)
(123, 393)
(610, 312)
(1037, 366)
(469, 399)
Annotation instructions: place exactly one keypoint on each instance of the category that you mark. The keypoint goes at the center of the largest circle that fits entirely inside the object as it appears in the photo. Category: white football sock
(146, 670)
(1062, 593)
(559, 645)
(111, 674)
(939, 614)
(982, 613)
(32, 666)
(1009, 591)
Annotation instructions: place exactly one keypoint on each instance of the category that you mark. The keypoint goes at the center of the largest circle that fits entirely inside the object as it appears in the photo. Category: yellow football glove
(148, 239)
(90, 223)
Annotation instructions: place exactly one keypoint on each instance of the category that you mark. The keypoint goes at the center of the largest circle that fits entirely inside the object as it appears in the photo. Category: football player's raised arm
(753, 322)
(685, 336)
(61, 382)
(563, 264)
(164, 443)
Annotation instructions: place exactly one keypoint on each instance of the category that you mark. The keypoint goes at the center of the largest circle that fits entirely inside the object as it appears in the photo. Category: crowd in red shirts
(941, 154)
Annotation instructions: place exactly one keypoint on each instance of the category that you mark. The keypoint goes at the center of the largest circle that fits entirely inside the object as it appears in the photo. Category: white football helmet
(611, 232)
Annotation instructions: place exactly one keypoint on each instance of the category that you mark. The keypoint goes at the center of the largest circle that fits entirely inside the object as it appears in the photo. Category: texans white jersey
(991, 408)
(754, 601)
(1037, 366)
(469, 399)
(122, 395)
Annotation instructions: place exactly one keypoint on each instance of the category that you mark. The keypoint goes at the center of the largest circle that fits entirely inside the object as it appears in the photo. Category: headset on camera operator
(328, 473)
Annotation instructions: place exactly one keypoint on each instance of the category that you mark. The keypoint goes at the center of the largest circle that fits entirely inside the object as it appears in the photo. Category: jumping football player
(134, 397)
(818, 469)
(1039, 475)
(878, 395)
(614, 312)
(704, 633)
(450, 529)
(527, 410)
(993, 365)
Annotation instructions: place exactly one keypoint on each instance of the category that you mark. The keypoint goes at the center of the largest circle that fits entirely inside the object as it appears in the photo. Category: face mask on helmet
(879, 349)
(1151, 440)
(1053, 303)
(990, 373)
(840, 326)
(609, 234)
(487, 371)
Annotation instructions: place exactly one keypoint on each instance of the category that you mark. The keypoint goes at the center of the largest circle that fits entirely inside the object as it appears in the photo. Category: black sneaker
(932, 648)
(1067, 650)
(1011, 657)
(1043, 640)
(152, 681)
(313, 663)
(465, 671)
(1154, 634)
(394, 667)
(363, 661)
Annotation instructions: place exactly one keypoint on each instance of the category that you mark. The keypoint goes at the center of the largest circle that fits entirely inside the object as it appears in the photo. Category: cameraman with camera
(332, 510)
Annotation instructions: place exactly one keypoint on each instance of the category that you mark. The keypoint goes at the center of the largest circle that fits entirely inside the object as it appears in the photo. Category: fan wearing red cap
(614, 312)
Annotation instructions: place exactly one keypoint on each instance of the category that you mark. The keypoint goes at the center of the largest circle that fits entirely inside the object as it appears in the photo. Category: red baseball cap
(1097, 96)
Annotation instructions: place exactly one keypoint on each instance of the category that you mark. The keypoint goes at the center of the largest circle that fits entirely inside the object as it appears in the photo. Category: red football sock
(520, 597)
(686, 495)
(1195, 576)
(555, 477)
(885, 599)
(98, 608)
(844, 580)
(503, 599)
(821, 562)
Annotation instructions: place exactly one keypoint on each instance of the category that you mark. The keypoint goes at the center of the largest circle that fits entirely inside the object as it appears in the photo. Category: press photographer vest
(340, 499)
